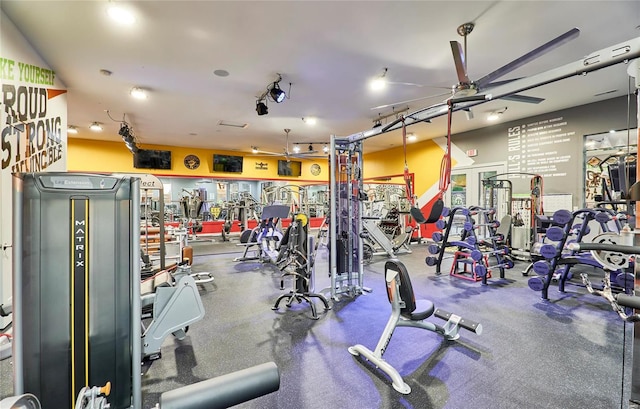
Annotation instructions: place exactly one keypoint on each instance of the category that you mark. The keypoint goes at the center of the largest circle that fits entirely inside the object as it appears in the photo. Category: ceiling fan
(286, 153)
(466, 87)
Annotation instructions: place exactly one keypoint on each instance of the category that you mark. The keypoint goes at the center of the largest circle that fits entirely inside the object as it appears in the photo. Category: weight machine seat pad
(275, 212)
(424, 309)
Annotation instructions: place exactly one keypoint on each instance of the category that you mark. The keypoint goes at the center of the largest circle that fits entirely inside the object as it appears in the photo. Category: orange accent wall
(86, 155)
(423, 160)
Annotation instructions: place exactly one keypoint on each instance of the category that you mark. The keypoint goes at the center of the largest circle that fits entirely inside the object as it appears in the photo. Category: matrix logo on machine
(79, 295)
(33, 122)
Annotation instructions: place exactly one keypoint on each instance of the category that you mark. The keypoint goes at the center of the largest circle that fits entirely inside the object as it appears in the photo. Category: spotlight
(377, 124)
(296, 149)
(96, 127)
(254, 149)
(276, 93)
(72, 129)
(124, 129)
(261, 108)
(310, 148)
(325, 149)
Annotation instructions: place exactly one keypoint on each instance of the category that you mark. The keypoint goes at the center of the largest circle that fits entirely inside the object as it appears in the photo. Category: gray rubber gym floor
(563, 353)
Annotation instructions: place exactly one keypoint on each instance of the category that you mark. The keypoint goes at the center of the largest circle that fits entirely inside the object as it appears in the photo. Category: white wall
(38, 150)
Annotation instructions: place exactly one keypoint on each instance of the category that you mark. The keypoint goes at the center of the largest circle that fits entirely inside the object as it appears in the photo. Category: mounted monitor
(152, 159)
(289, 168)
(227, 163)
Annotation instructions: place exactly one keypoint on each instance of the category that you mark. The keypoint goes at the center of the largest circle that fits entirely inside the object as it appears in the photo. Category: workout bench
(406, 311)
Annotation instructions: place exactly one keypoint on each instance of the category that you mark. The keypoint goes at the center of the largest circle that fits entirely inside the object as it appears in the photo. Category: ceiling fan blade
(458, 60)
(409, 101)
(530, 56)
(523, 98)
(413, 84)
(267, 153)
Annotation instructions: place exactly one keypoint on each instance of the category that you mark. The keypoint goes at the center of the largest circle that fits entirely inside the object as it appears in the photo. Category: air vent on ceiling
(232, 124)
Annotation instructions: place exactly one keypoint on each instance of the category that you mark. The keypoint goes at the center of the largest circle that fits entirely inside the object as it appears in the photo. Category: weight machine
(297, 260)
(77, 290)
(263, 242)
(345, 227)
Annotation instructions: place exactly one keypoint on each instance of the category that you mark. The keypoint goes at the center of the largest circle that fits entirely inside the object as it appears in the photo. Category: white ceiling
(327, 50)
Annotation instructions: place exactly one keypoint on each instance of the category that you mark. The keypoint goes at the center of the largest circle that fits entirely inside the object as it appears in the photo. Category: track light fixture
(276, 93)
(325, 149)
(261, 107)
(124, 129)
(296, 148)
(310, 148)
(254, 149)
(127, 136)
(273, 92)
(377, 124)
(96, 127)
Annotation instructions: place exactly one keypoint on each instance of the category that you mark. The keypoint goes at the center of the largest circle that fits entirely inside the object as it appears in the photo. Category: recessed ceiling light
(379, 82)
(221, 73)
(121, 15)
(96, 127)
(310, 120)
(138, 93)
(495, 115)
(72, 129)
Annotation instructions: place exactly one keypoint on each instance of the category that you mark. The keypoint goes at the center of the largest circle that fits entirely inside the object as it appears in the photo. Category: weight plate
(562, 216)
(431, 261)
(555, 233)
(548, 251)
(480, 270)
(536, 283)
(603, 217)
(541, 267)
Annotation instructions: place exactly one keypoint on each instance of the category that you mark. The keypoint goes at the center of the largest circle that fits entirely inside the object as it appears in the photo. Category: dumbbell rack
(551, 260)
(546, 254)
(577, 232)
(469, 252)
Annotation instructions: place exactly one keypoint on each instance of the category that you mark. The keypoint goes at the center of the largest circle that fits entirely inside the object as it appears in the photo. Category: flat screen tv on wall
(289, 168)
(227, 163)
(152, 159)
